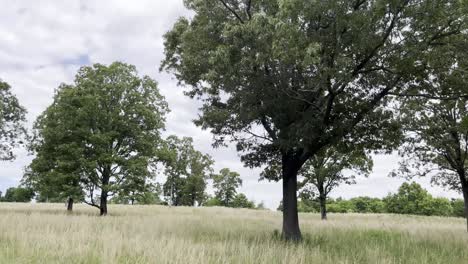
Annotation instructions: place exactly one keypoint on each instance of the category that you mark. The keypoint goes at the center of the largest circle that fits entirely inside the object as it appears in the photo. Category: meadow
(45, 233)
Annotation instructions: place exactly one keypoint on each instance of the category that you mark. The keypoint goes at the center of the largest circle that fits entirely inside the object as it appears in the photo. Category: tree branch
(268, 128)
(247, 10)
(91, 204)
(232, 11)
(386, 35)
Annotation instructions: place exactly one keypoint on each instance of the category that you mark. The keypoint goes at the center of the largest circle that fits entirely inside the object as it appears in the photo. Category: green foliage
(458, 207)
(213, 201)
(340, 206)
(436, 142)
(150, 195)
(241, 201)
(187, 170)
(225, 184)
(411, 198)
(101, 133)
(368, 205)
(18, 194)
(12, 121)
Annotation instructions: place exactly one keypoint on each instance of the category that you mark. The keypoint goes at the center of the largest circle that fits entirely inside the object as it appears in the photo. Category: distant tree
(212, 201)
(100, 134)
(187, 172)
(225, 184)
(261, 206)
(437, 126)
(286, 79)
(366, 204)
(439, 206)
(241, 201)
(18, 194)
(325, 171)
(12, 120)
(340, 205)
(147, 195)
(411, 198)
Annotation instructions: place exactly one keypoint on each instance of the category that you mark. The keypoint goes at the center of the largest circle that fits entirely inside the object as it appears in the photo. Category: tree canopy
(101, 133)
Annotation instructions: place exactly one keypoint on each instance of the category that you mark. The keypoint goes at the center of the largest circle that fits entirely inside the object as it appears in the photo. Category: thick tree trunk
(464, 185)
(323, 206)
(70, 204)
(103, 204)
(104, 191)
(291, 229)
(465, 198)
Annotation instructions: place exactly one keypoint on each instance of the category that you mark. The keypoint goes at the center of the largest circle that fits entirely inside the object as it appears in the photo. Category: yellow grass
(44, 233)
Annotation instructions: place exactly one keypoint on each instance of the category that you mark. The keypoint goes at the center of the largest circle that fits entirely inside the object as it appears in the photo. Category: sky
(44, 42)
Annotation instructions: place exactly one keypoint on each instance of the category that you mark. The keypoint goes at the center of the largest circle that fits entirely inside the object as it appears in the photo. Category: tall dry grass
(44, 233)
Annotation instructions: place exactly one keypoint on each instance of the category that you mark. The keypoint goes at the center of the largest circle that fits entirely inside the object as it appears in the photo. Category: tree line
(303, 91)
(410, 198)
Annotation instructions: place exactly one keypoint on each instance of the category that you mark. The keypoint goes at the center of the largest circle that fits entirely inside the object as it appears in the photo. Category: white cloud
(43, 43)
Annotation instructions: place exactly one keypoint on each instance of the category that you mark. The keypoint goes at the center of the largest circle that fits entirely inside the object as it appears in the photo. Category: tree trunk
(70, 204)
(103, 204)
(291, 229)
(464, 187)
(104, 191)
(323, 206)
(465, 200)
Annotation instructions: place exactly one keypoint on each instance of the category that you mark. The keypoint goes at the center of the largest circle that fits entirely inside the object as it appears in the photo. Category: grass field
(44, 233)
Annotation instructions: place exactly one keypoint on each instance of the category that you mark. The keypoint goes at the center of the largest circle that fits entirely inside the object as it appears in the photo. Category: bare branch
(92, 204)
(232, 11)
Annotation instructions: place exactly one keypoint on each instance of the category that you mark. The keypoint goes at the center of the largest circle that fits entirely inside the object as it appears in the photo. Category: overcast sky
(43, 43)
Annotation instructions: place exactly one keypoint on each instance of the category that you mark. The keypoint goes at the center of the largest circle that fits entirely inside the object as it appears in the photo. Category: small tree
(100, 134)
(225, 184)
(12, 119)
(241, 201)
(325, 171)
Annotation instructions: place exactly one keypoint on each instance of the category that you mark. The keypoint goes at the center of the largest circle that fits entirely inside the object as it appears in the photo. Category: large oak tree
(101, 133)
(285, 78)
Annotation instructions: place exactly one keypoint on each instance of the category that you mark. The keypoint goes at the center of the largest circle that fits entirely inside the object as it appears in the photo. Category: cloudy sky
(43, 43)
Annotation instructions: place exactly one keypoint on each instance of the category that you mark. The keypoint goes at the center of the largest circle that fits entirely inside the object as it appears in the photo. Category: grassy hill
(44, 233)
